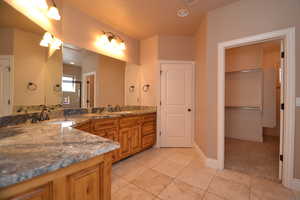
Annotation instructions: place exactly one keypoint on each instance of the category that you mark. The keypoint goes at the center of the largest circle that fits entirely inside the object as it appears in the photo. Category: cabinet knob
(189, 110)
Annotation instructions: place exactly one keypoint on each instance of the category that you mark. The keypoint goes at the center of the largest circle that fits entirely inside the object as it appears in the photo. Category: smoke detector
(191, 2)
(183, 12)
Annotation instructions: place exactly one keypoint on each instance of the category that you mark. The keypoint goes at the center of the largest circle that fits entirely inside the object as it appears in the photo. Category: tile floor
(180, 174)
(253, 158)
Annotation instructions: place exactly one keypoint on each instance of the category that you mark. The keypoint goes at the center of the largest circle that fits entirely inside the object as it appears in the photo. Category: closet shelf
(245, 71)
(244, 107)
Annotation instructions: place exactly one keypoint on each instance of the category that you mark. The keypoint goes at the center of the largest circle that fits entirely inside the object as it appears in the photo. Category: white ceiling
(144, 18)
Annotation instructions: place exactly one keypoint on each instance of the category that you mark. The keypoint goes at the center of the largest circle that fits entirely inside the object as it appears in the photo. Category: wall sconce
(146, 88)
(51, 12)
(131, 88)
(112, 41)
(50, 40)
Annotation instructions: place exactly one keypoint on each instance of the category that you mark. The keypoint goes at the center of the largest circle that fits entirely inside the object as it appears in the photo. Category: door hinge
(161, 72)
(160, 103)
(281, 157)
(8, 102)
(9, 69)
(282, 106)
(160, 133)
(282, 54)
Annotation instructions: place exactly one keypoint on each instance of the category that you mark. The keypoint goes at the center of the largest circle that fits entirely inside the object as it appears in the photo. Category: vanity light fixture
(41, 4)
(50, 41)
(113, 41)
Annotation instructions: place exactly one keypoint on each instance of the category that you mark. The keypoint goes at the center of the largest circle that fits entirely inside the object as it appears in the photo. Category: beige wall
(176, 48)
(148, 59)
(237, 20)
(29, 66)
(6, 41)
(111, 81)
(132, 78)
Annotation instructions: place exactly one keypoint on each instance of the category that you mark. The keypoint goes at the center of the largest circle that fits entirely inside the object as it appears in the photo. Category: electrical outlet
(298, 101)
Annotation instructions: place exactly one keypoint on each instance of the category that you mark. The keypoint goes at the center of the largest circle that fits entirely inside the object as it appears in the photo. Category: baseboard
(295, 184)
(209, 162)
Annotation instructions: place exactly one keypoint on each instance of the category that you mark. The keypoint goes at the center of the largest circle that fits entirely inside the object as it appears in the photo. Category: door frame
(11, 64)
(288, 35)
(83, 100)
(158, 97)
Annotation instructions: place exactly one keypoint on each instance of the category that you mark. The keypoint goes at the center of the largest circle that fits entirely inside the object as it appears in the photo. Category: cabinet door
(112, 134)
(124, 136)
(41, 193)
(85, 184)
(135, 140)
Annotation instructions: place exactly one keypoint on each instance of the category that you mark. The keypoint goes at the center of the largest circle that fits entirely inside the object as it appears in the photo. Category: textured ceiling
(144, 18)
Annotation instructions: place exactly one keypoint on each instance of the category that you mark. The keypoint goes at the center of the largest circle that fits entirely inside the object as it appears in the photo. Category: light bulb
(44, 43)
(114, 43)
(42, 4)
(47, 37)
(56, 43)
(104, 40)
(53, 13)
(122, 46)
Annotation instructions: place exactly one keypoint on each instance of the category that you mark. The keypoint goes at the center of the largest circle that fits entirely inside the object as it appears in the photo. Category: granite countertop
(30, 150)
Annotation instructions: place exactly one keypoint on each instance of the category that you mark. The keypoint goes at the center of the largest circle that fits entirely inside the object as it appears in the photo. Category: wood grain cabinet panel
(124, 135)
(135, 139)
(40, 193)
(85, 184)
(148, 141)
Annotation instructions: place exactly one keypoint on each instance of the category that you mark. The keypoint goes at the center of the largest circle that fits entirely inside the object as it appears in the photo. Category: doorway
(288, 83)
(177, 104)
(253, 76)
(6, 85)
(89, 89)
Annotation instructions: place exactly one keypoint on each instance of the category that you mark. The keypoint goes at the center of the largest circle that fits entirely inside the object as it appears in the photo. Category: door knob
(189, 110)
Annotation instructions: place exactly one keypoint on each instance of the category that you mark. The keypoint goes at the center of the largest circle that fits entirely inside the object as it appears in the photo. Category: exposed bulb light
(41, 4)
(44, 43)
(47, 37)
(53, 13)
(103, 39)
(56, 43)
(114, 43)
(122, 46)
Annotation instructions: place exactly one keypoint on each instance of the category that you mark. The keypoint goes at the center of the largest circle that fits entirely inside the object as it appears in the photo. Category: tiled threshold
(180, 174)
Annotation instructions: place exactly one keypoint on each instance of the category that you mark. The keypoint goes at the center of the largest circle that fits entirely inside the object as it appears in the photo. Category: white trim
(212, 163)
(295, 184)
(84, 75)
(288, 35)
(12, 66)
(158, 97)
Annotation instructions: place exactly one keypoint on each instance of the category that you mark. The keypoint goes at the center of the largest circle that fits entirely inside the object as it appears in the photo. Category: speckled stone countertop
(30, 150)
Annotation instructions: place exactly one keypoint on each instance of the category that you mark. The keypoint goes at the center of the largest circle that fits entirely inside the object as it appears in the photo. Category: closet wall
(251, 81)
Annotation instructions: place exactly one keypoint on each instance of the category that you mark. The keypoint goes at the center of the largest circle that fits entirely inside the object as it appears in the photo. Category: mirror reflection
(91, 80)
(29, 78)
(72, 77)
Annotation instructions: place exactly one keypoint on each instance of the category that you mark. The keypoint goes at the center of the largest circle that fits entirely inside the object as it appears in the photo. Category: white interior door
(281, 78)
(177, 104)
(5, 86)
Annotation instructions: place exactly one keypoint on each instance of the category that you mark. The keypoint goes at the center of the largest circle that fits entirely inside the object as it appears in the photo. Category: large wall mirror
(72, 77)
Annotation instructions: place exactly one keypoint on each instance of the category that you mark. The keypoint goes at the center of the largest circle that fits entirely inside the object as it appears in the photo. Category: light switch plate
(298, 101)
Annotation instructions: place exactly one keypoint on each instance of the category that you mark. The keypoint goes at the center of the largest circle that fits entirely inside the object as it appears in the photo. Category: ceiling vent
(191, 2)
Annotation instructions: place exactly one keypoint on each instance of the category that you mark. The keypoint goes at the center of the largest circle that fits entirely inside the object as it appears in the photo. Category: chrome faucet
(44, 115)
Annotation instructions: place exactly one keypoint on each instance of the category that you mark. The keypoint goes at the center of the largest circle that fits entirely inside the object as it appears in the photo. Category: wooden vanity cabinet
(134, 133)
(86, 180)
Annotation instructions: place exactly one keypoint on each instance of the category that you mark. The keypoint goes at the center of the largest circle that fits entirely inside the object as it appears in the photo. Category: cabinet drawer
(148, 141)
(129, 121)
(100, 124)
(148, 128)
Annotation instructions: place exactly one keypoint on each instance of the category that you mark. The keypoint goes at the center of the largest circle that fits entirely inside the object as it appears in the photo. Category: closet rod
(244, 107)
(246, 70)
